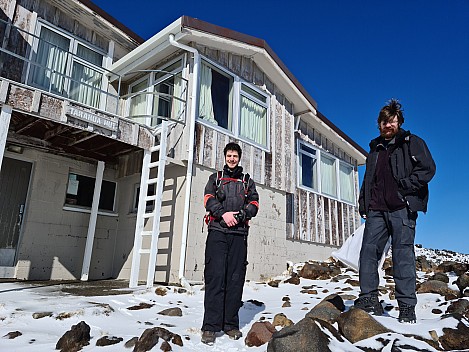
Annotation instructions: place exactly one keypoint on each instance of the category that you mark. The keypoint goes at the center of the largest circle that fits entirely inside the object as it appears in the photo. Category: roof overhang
(187, 30)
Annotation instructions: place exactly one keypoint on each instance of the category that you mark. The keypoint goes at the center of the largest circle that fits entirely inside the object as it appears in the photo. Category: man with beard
(395, 187)
(231, 200)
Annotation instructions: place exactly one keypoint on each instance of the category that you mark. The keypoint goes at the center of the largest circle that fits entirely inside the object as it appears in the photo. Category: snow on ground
(108, 315)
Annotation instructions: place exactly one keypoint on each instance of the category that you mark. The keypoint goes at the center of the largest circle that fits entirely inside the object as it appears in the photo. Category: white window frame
(151, 82)
(337, 163)
(72, 49)
(235, 106)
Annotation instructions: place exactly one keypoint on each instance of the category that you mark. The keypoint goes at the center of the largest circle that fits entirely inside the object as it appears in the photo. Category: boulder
(171, 312)
(74, 339)
(318, 271)
(462, 282)
(328, 309)
(441, 277)
(259, 334)
(304, 336)
(461, 306)
(107, 341)
(357, 325)
(439, 287)
(455, 339)
(281, 319)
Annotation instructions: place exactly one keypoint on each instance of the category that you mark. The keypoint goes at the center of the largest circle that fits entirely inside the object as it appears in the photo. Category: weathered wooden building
(90, 126)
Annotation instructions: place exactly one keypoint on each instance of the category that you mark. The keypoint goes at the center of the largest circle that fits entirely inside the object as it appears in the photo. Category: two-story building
(92, 117)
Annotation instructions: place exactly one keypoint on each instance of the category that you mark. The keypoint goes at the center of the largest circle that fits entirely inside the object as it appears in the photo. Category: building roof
(187, 30)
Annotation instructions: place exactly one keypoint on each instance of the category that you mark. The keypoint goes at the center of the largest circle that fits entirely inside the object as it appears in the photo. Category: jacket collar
(400, 138)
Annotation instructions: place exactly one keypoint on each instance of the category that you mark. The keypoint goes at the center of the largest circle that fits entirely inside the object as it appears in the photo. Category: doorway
(14, 183)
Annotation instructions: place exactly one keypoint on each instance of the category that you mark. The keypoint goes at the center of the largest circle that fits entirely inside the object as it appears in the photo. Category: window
(227, 102)
(150, 204)
(325, 174)
(63, 65)
(164, 95)
(80, 190)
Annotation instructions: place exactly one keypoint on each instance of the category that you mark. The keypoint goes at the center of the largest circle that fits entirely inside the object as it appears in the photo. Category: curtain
(253, 124)
(51, 57)
(205, 102)
(346, 182)
(86, 82)
(179, 93)
(328, 176)
(138, 103)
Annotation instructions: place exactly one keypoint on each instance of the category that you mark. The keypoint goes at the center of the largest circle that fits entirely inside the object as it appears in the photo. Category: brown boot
(234, 334)
(208, 337)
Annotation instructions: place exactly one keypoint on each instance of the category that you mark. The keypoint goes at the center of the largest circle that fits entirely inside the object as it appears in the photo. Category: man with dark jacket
(395, 187)
(231, 200)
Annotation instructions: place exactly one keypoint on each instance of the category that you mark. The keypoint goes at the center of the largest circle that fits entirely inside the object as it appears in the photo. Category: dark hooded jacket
(233, 191)
(412, 167)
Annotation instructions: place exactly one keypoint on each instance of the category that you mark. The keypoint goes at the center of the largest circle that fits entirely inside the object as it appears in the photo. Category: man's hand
(229, 218)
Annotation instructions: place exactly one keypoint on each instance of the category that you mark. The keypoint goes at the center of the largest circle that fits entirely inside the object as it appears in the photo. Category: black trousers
(400, 225)
(225, 272)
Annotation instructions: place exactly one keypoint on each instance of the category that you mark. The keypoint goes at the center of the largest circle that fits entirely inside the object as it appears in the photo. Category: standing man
(231, 200)
(395, 187)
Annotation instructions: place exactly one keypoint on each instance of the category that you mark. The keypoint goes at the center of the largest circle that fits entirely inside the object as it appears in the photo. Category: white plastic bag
(349, 253)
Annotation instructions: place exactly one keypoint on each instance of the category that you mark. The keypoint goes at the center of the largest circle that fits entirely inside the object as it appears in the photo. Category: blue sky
(352, 56)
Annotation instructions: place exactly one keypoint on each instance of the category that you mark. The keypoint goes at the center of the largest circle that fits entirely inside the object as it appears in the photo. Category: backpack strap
(246, 178)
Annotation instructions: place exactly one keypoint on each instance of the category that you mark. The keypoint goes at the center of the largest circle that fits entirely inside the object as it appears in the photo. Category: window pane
(51, 61)
(253, 93)
(309, 172)
(328, 176)
(80, 191)
(89, 55)
(138, 103)
(346, 183)
(253, 121)
(85, 84)
(215, 97)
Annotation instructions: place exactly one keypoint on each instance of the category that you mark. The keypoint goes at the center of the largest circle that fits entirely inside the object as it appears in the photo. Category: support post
(5, 117)
(92, 224)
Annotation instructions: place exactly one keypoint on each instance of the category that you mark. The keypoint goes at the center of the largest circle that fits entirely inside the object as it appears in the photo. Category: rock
(422, 264)
(286, 304)
(455, 339)
(437, 311)
(448, 266)
(294, 279)
(435, 286)
(273, 283)
(462, 282)
(107, 341)
(177, 340)
(357, 325)
(255, 302)
(259, 334)
(131, 343)
(318, 271)
(172, 312)
(309, 292)
(281, 319)
(352, 282)
(12, 335)
(440, 277)
(165, 346)
(74, 339)
(461, 306)
(146, 341)
(161, 291)
(41, 315)
(328, 309)
(305, 336)
(141, 306)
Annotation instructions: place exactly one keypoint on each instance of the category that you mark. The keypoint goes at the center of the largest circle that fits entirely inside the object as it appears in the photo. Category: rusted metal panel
(303, 205)
(51, 107)
(20, 98)
(312, 217)
(245, 161)
(340, 221)
(327, 215)
(268, 169)
(351, 220)
(289, 147)
(296, 216)
(208, 147)
(220, 160)
(278, 128)
(257, 165)
(199, 132)
(258, 76)
(335, 240)
(235, 63)
(320, 218)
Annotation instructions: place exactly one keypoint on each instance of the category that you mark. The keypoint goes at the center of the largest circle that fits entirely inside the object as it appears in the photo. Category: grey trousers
(379, 225)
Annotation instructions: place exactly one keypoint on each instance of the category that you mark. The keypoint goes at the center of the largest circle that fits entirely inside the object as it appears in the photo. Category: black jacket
(233, 191)
(412, 167)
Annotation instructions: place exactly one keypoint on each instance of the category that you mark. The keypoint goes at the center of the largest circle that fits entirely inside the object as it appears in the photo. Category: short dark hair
(392, 109)
(232, 146)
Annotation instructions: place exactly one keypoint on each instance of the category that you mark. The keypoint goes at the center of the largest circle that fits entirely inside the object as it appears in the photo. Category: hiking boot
(208, 337)
(369, 304)
(407, 313)
(234, 334)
